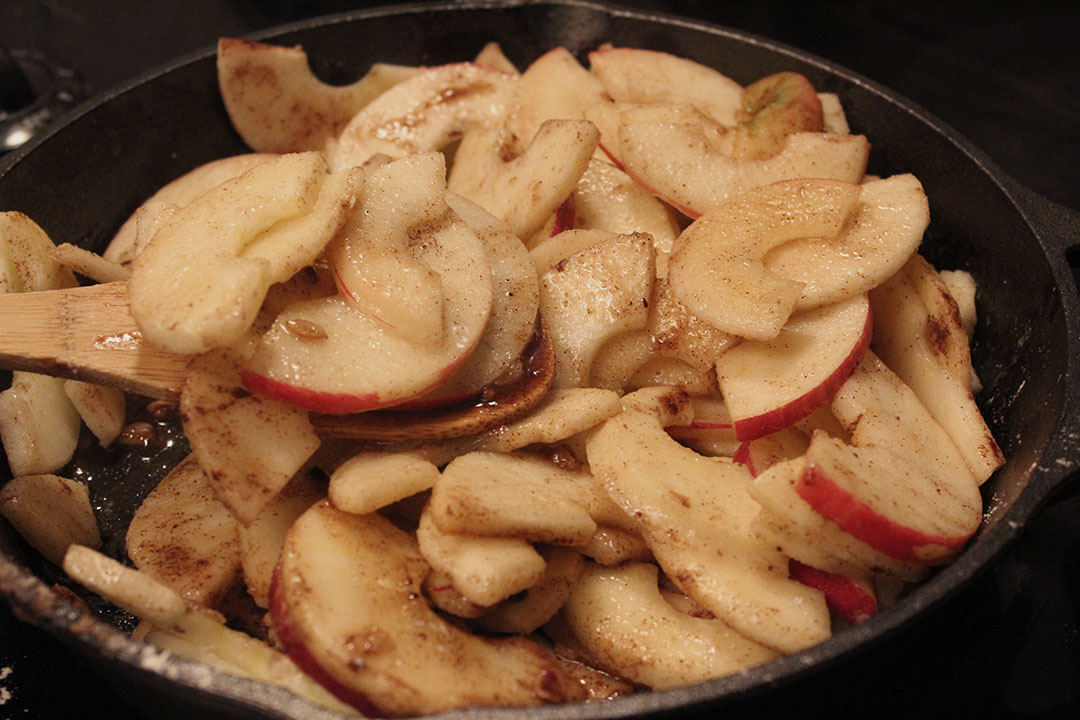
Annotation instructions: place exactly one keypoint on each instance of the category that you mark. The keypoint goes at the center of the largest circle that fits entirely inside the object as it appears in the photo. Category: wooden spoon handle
(86, 333)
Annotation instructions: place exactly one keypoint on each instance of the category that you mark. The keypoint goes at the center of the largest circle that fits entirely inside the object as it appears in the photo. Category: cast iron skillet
(84, 178)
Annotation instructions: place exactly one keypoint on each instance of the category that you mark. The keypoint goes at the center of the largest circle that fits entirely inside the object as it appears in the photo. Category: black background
(1006, 75)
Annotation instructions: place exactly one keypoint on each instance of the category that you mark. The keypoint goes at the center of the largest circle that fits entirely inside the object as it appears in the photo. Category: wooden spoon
(88, 334)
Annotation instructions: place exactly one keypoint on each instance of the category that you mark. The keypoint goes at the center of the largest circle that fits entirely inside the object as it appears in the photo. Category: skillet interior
(102, 165)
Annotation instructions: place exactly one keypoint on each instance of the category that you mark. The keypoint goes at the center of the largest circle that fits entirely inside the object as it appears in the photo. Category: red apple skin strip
(296, 396)
(864, 523)
(844, 596)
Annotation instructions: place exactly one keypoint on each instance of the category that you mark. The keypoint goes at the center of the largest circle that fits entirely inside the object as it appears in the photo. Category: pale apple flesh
(776, 106)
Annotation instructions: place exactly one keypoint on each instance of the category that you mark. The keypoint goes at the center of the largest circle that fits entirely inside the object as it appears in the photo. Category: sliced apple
(554, 87)
(775, 107)
(760, 454)
(717, 267)
(185, 538)
(902, 486)
(90, 265)
(424, 113)
(608, 116)
(852, 599)
(39, 426)
(619, 618)
(612, 546)
(369, 481)
(696, 516)
(492, 56)
(277, 104)
(323, 355)
(770, 385)
(616, 275)
(198, 285)
(833, 119)
(526, 614)
(562, 414)
(552, 250)
(370, 257)
(920, 335)
(101, 408)
(675, 373)
(647, 76)
(51, 513)
(26, 257)
(680, 333)
(527, 189)
(961, 286)
(348, 607)
(248, 445)
(619, 358)
(684, 167)
(884, 230)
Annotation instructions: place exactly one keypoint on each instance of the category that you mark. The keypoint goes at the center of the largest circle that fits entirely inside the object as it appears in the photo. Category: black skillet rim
(58, 616)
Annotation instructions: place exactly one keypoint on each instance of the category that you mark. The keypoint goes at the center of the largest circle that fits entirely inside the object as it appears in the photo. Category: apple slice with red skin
(901, 486)
(325, 356)
(647, 76)
(684, 167)
(277, 105)
(771, 385)
(760, 454)
(717, 267)
(347, 604)
(424, 113)
(852, 599)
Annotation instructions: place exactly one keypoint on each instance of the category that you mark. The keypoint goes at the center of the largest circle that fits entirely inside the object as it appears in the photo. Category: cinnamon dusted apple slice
(424, 113)
(674, 373)
(180, 192)
(680, 333)
(608, 116)
(370, 257)
(770, 385)
(884, 230)
(348, 607)
(369, 481)
(619, 358)
(248, 445)
(648, 76)
(563, 569)
(554, 87)
(696, 514)
(561, 415)
(278, 105)
(551, 251)
(902, 486)
(616, 275)
(101, 408)
(710, 432)
(717, 266)
(526, 190)
(611, 546)
(921, 337)
(760, 454)
(198, 284)
(618, 616)
(324, 355)
(853, 599)
(39, 426)
(27, 263)
(684, 167)
(51, 513)
(775, 107)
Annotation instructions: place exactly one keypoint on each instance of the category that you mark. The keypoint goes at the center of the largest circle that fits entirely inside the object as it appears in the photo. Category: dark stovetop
(1006, 75)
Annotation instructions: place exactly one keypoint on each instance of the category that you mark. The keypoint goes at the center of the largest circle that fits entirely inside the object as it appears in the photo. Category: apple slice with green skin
(884, 230)
(921, 337)
(717, 266)
(771, 385)
(616, 275)
(198, 284)
(554, 87)
(346, 603)
(776, 106)
(370, 258)
(681, 165)
(278, 105)
(852, 599)
(425, 112)
(527, 189)
(648, 76)
(696, 514)
(180, 192)
(901, 486)
(325, 356)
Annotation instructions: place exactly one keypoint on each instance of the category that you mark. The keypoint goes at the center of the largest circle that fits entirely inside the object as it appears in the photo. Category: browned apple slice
(554, 87)
(647, 76)
(684, 167)
(770, 385)
(248, 445)
(776, 106)
(696, 514)
(717, 265)
(424, 113)
(616, 275)
(680, 333)
(325, 356)
(921, 337)
(884, 230)
(180, 192)
(278, 105)
(348, 607)
(902, 486)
